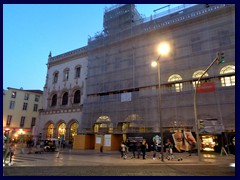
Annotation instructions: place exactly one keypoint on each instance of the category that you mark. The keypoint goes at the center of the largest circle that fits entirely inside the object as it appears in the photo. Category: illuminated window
(229, 76)
(177, 86)
(197, 75)
(50, 131)
(73, 131)
(62, 131)
(14, 94)
(103, 124)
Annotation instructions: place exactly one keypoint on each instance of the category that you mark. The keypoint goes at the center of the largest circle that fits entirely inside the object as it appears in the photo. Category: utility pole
(220, 59)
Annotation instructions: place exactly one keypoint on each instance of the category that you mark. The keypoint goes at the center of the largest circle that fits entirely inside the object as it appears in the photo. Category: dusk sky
(31, 31)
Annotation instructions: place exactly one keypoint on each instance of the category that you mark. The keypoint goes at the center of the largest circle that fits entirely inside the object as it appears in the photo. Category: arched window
(54, 100)
(55, 77)
(229, 76)
(77, 97)
(103, 124)
(197, 75)
(176, 87)
(65, 99)
(133, 122)
(66, 74)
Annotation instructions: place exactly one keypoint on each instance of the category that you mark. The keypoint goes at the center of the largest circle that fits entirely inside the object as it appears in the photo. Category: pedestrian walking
(138, 148)
(11, 153)
(144, 147)
(169, 150)
(123, 150)
(133, 148)
(191, 141)
(154, 149)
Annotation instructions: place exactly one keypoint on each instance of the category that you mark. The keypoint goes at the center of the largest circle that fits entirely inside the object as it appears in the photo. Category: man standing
(144, 148)
(138, 148)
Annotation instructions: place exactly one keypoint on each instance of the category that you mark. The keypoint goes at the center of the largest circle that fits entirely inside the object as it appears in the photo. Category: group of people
(9, 152)
(139, 148)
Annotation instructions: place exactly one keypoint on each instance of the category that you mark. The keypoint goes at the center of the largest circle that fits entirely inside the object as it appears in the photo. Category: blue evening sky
(31, 31)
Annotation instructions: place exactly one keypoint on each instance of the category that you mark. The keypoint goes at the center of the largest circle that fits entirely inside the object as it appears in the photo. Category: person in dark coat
(144, 148)
(138, 148)
(133, 148)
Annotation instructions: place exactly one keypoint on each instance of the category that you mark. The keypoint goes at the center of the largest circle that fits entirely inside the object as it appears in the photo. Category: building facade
(21, 112)
(123, 96)
(122, 87)
(63, 96)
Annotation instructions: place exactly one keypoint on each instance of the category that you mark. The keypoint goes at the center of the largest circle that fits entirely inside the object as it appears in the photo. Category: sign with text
(206, 87)
(107, 140)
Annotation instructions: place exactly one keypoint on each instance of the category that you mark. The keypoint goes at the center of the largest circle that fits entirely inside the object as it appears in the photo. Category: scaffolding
(121, 84)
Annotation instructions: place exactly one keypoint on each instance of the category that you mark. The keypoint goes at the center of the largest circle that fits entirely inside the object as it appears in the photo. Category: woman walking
(123, 150)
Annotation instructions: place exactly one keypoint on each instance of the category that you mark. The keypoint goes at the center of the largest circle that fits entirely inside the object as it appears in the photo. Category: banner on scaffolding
(206, 87)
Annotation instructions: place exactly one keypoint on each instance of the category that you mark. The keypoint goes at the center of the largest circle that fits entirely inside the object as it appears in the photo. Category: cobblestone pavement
(93, 163)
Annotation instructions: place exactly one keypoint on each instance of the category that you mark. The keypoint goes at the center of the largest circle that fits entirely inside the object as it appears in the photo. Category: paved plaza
(109, 163)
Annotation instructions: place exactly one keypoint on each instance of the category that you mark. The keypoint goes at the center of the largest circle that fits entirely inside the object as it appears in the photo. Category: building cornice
(68, 56)
(34, 91)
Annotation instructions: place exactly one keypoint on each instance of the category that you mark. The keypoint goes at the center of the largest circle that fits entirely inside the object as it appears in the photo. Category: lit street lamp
(163, 50)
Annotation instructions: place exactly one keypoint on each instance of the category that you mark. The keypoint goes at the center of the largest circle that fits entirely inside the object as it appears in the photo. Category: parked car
(50, 144)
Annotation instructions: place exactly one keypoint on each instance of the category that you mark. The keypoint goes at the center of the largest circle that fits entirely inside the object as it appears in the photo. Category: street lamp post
(163, 50)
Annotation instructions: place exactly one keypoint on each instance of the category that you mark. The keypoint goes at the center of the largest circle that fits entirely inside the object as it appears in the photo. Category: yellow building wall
(18, 111)
(116, 141)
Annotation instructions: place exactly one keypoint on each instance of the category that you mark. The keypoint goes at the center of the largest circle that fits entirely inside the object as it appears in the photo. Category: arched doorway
(73, 131)
(62, 131)
(50, 128)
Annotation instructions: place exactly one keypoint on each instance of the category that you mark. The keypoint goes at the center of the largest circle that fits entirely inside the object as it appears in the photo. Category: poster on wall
(125, 97)
(107, 140)
(98, 139)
